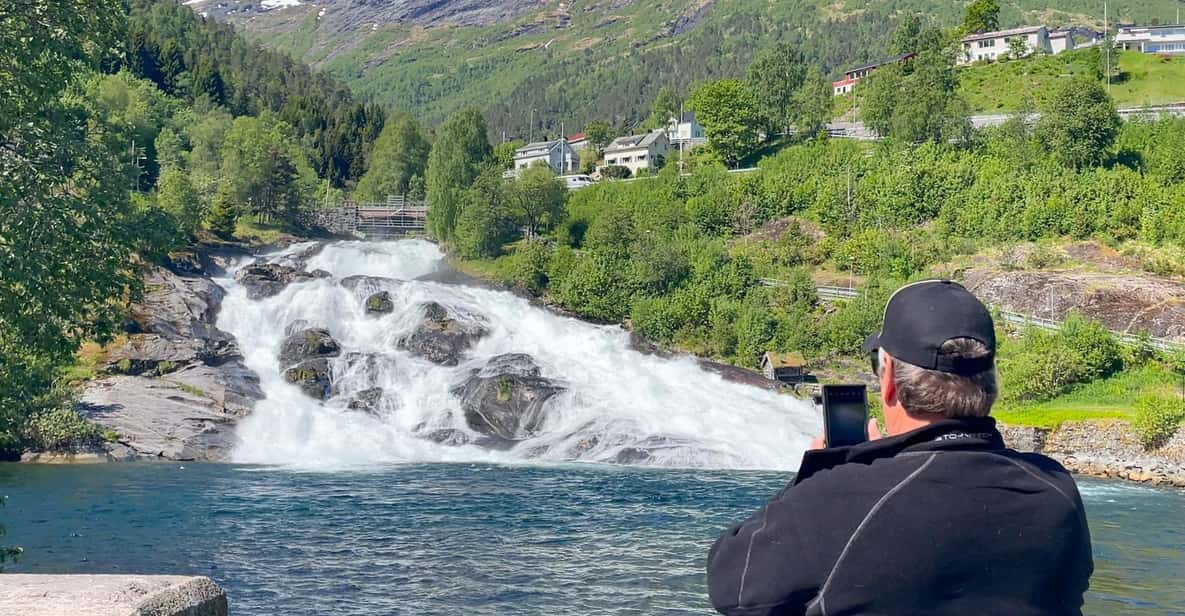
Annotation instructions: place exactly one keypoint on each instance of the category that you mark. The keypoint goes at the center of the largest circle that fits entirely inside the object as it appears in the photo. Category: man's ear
(888, 381)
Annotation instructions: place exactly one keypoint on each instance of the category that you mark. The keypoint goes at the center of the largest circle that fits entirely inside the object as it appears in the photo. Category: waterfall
(615, 399)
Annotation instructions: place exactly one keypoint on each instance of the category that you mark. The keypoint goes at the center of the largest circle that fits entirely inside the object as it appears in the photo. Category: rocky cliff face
(353, 15)
(176, 385)
(1122, 299)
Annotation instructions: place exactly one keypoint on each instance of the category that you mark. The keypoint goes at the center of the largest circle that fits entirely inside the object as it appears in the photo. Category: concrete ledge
(111, 595)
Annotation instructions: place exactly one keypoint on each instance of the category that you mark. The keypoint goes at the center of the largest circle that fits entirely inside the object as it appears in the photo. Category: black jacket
(942, 520)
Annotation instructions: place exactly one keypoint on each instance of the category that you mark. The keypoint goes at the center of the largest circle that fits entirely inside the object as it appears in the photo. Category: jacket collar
(964, 433)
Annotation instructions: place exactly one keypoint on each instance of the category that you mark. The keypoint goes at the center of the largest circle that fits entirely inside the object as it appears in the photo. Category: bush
(61, 429)
(528, 267)
(616, 172)
(1157, 419)
(1094, 348)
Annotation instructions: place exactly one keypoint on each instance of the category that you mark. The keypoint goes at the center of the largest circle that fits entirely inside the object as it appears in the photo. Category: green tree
(169, 150)
(905, 37)
(1078, 124)
(665, 106)
(982, 16)
(399, 154)
(537, 200)
(224, 211)
(918, 101)
(730, 114)
(458, 156)
(775, 76)
(598, 134)
(484, 223)
(814, 103)
(1017, 47)
(267, 168)
(175, 194)
(67, 225)
(504, 153)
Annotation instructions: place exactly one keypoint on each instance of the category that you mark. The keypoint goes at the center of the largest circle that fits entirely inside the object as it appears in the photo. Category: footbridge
(395, 216)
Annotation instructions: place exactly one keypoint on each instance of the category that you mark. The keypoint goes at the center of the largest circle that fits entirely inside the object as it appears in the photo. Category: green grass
(86, 364)
(255, 232)
(1004, 87)
(1111, 398)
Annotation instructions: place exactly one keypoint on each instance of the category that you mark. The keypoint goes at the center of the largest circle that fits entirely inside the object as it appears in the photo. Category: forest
(128, 130)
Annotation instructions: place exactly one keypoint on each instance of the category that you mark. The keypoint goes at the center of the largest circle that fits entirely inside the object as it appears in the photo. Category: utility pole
(531, 131)
(1107, 42)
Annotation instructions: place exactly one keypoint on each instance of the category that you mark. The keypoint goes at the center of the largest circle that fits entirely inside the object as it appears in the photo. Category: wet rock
(171, 417)
(367, 284)
(440, 338)
(367, 401)
(380, 303)
(180, 382)
(308, 344)
(268, 279)
(506, 399)
(312, 377)
(448, 436)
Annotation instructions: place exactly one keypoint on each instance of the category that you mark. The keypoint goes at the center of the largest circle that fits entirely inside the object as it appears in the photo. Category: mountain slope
(580, 60)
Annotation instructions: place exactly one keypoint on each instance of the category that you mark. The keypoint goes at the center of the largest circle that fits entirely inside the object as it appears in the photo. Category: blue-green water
(472, 539)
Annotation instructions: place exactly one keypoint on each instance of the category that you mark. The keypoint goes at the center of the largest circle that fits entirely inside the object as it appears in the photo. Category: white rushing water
(615, 398)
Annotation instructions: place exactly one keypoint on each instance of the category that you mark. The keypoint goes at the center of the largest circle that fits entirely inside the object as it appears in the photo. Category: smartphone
(845, 415)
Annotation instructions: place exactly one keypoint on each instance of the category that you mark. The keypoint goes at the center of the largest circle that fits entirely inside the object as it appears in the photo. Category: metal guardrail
(831, 294)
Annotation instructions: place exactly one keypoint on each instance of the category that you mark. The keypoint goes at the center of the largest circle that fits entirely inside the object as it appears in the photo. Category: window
(610, 161)
(641, 157)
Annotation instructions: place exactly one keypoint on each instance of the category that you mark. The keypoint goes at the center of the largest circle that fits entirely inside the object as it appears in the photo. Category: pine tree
(224, 212)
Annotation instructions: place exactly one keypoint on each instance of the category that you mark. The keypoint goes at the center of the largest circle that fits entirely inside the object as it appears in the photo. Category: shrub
(61, 429)
(1157, 419)
(1093, 347)
(1040, 371)
(528, 267)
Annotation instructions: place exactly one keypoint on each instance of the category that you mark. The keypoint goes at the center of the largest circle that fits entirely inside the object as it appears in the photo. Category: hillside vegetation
(1141, 79)
(582, 61)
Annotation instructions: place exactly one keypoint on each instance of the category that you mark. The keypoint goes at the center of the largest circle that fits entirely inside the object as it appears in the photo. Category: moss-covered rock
(380, 303)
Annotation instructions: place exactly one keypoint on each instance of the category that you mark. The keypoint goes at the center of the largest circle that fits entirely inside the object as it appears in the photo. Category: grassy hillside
(1004, 86)
(587, 60)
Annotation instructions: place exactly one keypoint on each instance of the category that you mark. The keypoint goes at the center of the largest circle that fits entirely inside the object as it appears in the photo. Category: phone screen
(845, 415)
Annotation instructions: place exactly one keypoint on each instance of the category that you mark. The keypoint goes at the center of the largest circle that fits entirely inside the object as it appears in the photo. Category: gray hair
(923, 391)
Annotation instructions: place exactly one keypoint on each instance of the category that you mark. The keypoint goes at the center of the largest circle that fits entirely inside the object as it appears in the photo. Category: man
(937, 517)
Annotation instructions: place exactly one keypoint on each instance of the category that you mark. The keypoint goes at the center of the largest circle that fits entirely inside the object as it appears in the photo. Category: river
(333, 512)
(436, 539)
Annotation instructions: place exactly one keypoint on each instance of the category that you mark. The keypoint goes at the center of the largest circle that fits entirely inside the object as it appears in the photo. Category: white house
(1061, 40)
(685, 132)
(1067, 39)
(1167, 40)
(638, 152)
(557, 154)
(990, 46)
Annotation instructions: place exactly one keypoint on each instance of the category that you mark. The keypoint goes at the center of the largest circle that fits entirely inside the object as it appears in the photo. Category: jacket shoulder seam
(820, 599)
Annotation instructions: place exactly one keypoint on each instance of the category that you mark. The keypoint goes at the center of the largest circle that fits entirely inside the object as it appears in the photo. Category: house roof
(971, 38)
(635, 141)
(537, 148)
(687, 117)
(783, 360)
(870, 65)
(576, 137)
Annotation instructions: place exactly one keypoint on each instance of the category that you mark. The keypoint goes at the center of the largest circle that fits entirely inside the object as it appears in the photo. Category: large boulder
(441, 338)
(312, 377)
(308, 344)
(506, 399)
(268, 279)
(380, 303)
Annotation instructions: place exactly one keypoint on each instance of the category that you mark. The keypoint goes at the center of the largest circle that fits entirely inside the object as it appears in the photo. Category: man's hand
(874, 433)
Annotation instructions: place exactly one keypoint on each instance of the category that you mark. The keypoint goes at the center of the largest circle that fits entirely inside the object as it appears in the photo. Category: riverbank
(1104, 448)
(111, 595)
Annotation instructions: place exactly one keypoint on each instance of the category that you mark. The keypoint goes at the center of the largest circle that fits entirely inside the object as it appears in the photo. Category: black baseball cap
(922, 316)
